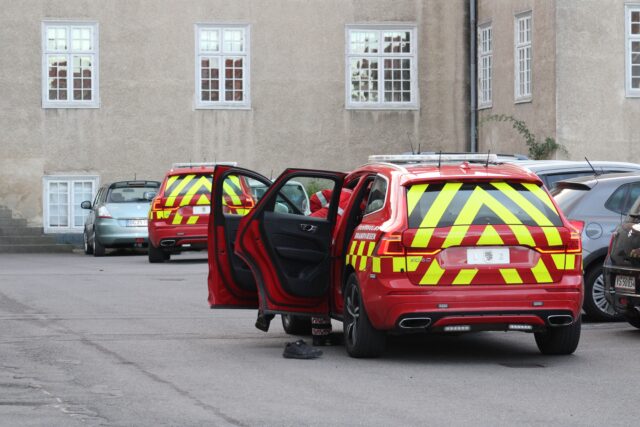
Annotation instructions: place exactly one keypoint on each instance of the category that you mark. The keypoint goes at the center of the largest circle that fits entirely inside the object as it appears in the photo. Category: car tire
(361, 339)
(559, 340)
(595, 304)
(157, 255)
(98, 249)
(296, 325)
(88, 249)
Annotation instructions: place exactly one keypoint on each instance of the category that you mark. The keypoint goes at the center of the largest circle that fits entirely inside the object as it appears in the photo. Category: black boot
(263, 321)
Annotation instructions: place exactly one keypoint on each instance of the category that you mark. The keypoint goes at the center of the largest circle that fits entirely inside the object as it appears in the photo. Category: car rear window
(190, 184)
(130, 194)
(479, 203)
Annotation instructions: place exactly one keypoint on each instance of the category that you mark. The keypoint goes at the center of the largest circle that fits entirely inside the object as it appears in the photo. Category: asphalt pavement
(116, 341)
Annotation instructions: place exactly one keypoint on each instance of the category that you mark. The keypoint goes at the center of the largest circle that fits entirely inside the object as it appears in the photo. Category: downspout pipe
(473, 76)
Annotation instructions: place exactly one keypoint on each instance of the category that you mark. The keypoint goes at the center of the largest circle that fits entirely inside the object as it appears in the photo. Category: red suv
(426, 243)
(179, 213)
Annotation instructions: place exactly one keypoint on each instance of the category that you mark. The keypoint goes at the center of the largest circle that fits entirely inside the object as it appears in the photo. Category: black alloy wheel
(360, 337)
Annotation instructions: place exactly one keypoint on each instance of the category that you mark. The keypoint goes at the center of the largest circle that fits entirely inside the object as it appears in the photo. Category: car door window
(377, 195)
(307, 196)
(634, 193)
(617, 201)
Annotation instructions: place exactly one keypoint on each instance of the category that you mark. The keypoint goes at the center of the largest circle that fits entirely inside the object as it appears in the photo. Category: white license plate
(628, 283)
(201, 210)
(484, 256)
(137, 223)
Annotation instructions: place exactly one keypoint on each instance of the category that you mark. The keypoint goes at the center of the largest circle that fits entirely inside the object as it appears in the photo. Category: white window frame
(629, 39)
(523, 45)
(414, 104)
(485, 65)
(70, 180)
(245, 104)
(69, 53)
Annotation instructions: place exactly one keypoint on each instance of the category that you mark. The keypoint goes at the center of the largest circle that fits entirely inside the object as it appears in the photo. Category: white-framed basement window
(70, 65)
(222, 66)
(522, 57)
(381, 67)
(632, 50)
(485, 65)
(62, 196)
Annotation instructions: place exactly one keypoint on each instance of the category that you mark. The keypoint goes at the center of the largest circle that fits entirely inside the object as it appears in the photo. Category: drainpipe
(473, 78)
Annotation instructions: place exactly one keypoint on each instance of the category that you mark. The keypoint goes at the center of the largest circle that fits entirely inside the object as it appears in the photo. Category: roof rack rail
(433, 158)
(201, 164)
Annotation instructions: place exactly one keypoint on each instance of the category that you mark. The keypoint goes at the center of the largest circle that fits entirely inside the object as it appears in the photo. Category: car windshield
(129, 194)
(568, 197)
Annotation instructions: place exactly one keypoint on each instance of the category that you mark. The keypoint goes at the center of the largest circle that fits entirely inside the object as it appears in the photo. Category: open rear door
(235, 194)
(287, 248)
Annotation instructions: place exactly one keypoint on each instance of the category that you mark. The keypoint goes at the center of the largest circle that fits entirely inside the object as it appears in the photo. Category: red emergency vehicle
(426, 243)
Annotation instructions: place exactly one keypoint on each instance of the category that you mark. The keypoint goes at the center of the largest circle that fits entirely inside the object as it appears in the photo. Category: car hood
(128, 210)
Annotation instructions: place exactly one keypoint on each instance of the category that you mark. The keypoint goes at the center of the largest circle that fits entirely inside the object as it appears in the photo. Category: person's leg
(263, 321)
(321, 330)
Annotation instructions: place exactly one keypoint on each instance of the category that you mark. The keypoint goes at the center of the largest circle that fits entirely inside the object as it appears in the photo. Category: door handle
(308, 228)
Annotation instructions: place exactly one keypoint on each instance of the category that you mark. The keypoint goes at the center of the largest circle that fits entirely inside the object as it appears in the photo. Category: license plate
(201, 210)
(485, 256)
(137, 223)
(628, 283)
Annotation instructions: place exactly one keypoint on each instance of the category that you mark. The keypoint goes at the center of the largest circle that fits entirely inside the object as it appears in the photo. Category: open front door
(287, 242)
(235, 193)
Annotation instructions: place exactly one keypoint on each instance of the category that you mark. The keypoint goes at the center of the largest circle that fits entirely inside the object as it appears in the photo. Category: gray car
(118, 216)
(601, 202)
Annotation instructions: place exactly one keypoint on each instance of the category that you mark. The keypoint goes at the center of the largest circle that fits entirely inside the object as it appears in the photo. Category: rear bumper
(487, 307)
(181, 237)
(111, 233)
(623, 301)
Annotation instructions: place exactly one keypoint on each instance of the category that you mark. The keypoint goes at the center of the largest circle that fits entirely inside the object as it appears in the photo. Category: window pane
(234, 90)
(363, 41)
(395, 72)
(396, 42)
(234, 40)
(57, 39)
(364, 80)
(81, 39)
(57, 77)
(58, 204)
(209, 40)
(82, 71)
(209, 77)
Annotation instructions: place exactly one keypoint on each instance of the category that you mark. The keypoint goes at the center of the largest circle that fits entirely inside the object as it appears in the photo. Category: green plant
(538, 150)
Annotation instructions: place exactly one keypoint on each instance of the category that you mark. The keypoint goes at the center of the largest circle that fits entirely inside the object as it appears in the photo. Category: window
(222, 66)
(377, 195)
(62, 198)
(623, 198)
(381, 64)
(633, 50)
(523, 57)
(70, 65)
(485, 63)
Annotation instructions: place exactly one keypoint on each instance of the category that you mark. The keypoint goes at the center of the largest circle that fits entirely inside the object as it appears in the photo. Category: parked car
(421, 246)
(118, 216)
(622, 267)
(552, 171)
(600, 202)
(180, 211)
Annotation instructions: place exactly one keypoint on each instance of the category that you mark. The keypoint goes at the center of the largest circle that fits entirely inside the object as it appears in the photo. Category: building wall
(539, 113)
(147, 119)
(595, 118)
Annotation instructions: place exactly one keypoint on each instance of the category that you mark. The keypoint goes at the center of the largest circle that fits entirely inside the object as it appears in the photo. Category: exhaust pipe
(415, 322)
(560, 320)
(166, 243)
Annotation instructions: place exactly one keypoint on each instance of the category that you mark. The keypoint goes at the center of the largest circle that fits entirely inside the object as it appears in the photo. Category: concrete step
(20, 239)
(34, 249)
(13, 222)
(20, 231)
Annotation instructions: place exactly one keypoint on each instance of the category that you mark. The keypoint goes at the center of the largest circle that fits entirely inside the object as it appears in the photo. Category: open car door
(235, 192)
(288, 247)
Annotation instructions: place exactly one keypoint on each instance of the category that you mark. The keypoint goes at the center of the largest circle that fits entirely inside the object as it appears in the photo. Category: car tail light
(103, 212)
(575, 238)
(390, 244)
(613, 236)
(156, 205)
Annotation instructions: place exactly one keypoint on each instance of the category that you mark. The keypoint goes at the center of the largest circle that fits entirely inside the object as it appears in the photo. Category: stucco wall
(595, 118)
(539, 113)
(147, 119)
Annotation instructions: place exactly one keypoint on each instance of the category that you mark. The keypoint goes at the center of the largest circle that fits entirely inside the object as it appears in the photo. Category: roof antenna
(488, 155)
(410, 143)
(595, 172)
(419, 149)
(135, 176)
(271, 175)
(439, 159)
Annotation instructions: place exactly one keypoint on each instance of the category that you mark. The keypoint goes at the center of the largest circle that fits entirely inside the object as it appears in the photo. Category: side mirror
(86, 204)
(149, 195)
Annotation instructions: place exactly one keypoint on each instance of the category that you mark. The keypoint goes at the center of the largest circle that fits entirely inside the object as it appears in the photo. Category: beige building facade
(581, 74)
(98, 91)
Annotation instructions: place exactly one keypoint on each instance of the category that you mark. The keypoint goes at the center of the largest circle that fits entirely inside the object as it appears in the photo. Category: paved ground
(116, 341)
